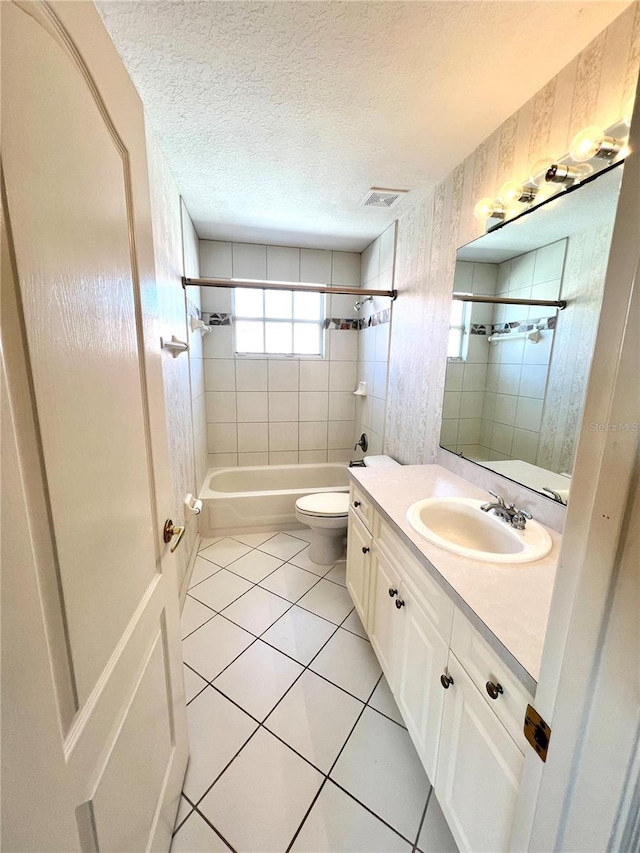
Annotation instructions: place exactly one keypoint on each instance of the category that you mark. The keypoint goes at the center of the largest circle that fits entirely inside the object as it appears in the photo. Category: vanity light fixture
(513, 192)
(592, 142)
(487, 208)
(558, 173)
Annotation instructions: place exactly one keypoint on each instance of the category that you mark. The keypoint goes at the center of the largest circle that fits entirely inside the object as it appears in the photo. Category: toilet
(327, 514)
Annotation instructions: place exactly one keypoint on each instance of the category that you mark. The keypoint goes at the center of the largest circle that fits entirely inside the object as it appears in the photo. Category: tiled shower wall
(377, 273)
(592, 89)
(269, 411)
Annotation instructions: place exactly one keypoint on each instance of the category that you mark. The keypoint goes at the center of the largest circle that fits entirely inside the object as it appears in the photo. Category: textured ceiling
(276, 118)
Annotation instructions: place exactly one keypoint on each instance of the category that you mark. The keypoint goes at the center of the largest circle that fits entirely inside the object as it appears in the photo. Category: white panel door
(479, 768)
(359, 566)
(385, 619)
(74, 165)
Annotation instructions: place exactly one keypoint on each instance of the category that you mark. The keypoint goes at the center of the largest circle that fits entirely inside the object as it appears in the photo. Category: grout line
(217, 832)
(421, 824)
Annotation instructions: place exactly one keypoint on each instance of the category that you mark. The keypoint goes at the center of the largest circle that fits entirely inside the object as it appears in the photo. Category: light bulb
(514, 191)
(568, 175)
(592, 142)
(487, 207)
(539, 171)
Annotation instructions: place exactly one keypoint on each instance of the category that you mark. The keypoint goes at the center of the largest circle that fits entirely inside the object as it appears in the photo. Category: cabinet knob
(356, 503)
(446, 680)
(494, 690)
(392, 591)
(365, 550)
(399, 603)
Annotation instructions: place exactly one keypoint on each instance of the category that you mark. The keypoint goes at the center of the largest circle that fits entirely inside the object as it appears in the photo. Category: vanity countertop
(508, 603)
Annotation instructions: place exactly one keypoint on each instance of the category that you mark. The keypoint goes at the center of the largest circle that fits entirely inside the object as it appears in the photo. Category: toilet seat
(324, 504)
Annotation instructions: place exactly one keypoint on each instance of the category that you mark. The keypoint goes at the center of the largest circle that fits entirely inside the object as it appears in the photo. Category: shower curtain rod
(504, 300)
(284, 285)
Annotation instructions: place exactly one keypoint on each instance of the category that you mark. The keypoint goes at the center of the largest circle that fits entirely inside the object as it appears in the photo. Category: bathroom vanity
(459, 641)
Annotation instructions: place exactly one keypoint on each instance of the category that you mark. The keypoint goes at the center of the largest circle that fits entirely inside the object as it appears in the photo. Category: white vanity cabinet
(462, 705)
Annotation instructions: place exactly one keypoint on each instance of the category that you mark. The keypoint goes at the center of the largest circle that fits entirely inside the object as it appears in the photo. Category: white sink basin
(460, 526)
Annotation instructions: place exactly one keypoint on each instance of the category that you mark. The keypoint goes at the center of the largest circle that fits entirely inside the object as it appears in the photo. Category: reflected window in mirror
(514, 401)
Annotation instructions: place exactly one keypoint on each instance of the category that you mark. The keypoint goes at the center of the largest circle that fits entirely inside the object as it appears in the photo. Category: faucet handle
(498, 497)
(524, 513)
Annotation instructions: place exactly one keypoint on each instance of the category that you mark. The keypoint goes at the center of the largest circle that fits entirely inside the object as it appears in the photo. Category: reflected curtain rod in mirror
(285, 285)
(503, 300)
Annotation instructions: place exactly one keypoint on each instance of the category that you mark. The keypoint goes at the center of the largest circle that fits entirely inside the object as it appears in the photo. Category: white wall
(269, 411)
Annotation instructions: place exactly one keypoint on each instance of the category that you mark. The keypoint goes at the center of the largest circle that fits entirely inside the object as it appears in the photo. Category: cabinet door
(422, 658)
(358, 566)
(479, 768)
(385, 619)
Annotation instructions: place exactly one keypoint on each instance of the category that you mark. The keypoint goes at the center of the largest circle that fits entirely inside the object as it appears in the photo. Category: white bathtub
(263, 497)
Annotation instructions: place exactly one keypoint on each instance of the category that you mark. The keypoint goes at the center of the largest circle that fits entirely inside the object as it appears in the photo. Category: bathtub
(263, 497)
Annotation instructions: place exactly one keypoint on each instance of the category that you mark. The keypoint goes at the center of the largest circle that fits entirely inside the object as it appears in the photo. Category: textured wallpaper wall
(592, 89)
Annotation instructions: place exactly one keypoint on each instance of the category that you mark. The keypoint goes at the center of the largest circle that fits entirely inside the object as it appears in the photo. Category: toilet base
(326, 546)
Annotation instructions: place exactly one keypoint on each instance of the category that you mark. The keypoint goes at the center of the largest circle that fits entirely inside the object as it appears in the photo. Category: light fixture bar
(255, 284)
(504, 300)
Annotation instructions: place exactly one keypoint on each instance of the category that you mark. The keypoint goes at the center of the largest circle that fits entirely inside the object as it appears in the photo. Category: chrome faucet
(517, 518)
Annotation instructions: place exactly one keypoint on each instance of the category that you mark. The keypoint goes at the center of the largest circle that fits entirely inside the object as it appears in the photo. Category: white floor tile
(349, 662)
(258, 679)
(290, 582)
(193, 683)
(209, 649)
(202, 570)
(257, 805)
(208, 540)
(299, 634)
(381, 768)
(383, 701)
(315, 718)
(184, 810)
(252, 539)
(328, 600)
(352, 623)
(337, 824)
(302, 560)
(254, 566)
(301, 533)
(208, 716)
(283, 546)
(196, 836)
(220, 589)
(225, 551)
(435, 835)
(194, 614)
(256, 610)
(338, 574)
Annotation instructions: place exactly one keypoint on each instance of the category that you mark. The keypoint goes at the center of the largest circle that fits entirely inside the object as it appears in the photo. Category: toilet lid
(324, 503)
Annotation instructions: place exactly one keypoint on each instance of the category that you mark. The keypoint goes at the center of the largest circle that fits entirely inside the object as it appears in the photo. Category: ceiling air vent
(377, 197)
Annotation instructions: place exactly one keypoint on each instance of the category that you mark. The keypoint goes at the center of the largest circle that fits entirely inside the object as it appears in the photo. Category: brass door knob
(170, 530)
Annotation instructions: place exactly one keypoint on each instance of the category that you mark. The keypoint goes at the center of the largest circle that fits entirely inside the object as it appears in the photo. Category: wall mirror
(517, 374)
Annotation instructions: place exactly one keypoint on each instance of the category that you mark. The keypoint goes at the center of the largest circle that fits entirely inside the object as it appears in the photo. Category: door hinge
(537, 732)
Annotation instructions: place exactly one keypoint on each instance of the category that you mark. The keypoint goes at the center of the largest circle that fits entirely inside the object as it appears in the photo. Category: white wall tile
(504, 274)
(370, 262)
(196, 369)
(475, 377)
(525, 445)
(342, 405)
(345, 269)
(382, 342)
(215, 259)
(377, 419)
(252, 406)
(220, 374)
(247, 459)
(454, 376)
(220, 406)
(549, 261)
(341, 306)
(315, 266)
(485, 278)
(314, 375)
(313, 405)
(283, 263)
(251, 374)
(471, 404)
(283, 406)
(249, 261)
(222, 460)
(539, 353)
(342, 457)
(222, 438)
(283, 436)
(283, 375)
(311, 457)
(312, 435)
(505, 410)
(387, 248)
(283, 457)
(528, 414)
(502, 438)
(343, 345)
(469, 431)
(253, 437)
(533, 380)
(342, 375)
(521, 272)
(463, 277)
(449, 432)
(218, 343)
(509, 377)
(340, 435)
(216, 299)
(451, 404)
(477, 349)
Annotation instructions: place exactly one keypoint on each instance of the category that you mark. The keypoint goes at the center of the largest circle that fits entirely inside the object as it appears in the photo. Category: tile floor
(296, 741)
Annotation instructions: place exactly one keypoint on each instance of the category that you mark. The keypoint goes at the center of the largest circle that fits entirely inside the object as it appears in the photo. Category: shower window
(278, 322)
(457, 346)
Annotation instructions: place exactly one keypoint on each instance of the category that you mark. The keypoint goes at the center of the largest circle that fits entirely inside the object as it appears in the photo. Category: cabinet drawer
(430, 596)
(483, 665)
(362, 506)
